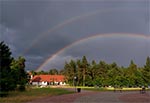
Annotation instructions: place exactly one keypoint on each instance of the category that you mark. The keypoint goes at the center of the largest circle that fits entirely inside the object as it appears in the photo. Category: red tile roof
(48, 78)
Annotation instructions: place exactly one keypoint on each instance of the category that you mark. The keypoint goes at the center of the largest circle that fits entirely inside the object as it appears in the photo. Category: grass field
(105, 88)
(32, 93)
(112, 89)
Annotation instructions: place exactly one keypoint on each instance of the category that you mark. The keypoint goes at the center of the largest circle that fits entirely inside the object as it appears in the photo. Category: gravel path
(135, 97)
(98, 97)
(67, 98)
(115, 97)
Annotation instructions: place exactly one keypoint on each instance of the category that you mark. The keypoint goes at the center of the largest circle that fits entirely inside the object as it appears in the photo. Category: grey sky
(37, 29)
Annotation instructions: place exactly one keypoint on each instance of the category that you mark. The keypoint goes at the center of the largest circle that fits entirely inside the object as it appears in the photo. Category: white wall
(46, 83)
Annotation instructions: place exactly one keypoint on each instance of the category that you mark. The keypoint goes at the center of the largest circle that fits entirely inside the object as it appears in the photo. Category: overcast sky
(57, 29)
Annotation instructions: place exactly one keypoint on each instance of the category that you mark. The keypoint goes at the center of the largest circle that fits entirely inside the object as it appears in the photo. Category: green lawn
(105, 88)
(32, 93)
(112, 89)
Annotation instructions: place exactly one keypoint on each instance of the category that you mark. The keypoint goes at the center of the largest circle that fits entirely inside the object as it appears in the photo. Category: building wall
(35, 83)
(46, 83)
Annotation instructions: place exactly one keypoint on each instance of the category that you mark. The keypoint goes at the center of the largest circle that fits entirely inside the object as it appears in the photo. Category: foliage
(103, 74)
(12, 73)
(53, 72)
(146, 72)
(5, 71)
(17, 67)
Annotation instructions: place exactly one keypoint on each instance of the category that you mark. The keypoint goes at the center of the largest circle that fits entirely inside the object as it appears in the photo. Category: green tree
(61, 72)
(5, 71)
(79, 72)
(53, 72)
(113, 78)
(41, 72)
(93, 76)
(139, 79)
(84, 67)
(91, 72)
(33, 72)
(73, 67)
(70, 71)
(146, 72)
(131, 71)
(103, 72)
(18, 67)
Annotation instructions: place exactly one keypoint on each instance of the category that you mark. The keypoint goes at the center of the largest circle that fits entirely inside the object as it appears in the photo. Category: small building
(45, 80)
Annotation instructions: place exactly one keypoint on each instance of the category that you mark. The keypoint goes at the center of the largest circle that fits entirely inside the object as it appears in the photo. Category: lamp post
(75, 79)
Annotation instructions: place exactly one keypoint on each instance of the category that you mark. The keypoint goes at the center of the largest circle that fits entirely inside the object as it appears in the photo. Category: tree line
(50, 72)
(85, 73)
(12, 71)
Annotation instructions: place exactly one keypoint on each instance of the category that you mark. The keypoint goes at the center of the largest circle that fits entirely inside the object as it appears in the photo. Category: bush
(3, 94)
(21, 88)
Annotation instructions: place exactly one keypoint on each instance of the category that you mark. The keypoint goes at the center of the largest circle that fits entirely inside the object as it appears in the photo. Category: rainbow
(111, 35)
(74, 19)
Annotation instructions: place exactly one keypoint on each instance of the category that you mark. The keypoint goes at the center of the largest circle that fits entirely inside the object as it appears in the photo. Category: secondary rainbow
(74, 19)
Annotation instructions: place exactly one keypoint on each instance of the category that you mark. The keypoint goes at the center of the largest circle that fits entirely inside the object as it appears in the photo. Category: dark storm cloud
(119, 49)
(23, 21)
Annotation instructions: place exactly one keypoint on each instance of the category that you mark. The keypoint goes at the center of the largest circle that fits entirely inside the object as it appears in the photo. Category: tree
(91, 74)
(61, 72)
(139, 79)
(93, 77)
(73, 67)
(70, 71)
(84, 67)
(53, 72)
(79, 72)
(103, 72)
(5, 71)
(114, 80)
(33, 72)
(41, 72)
(146, 72)
(17, 67)
(131, 74)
